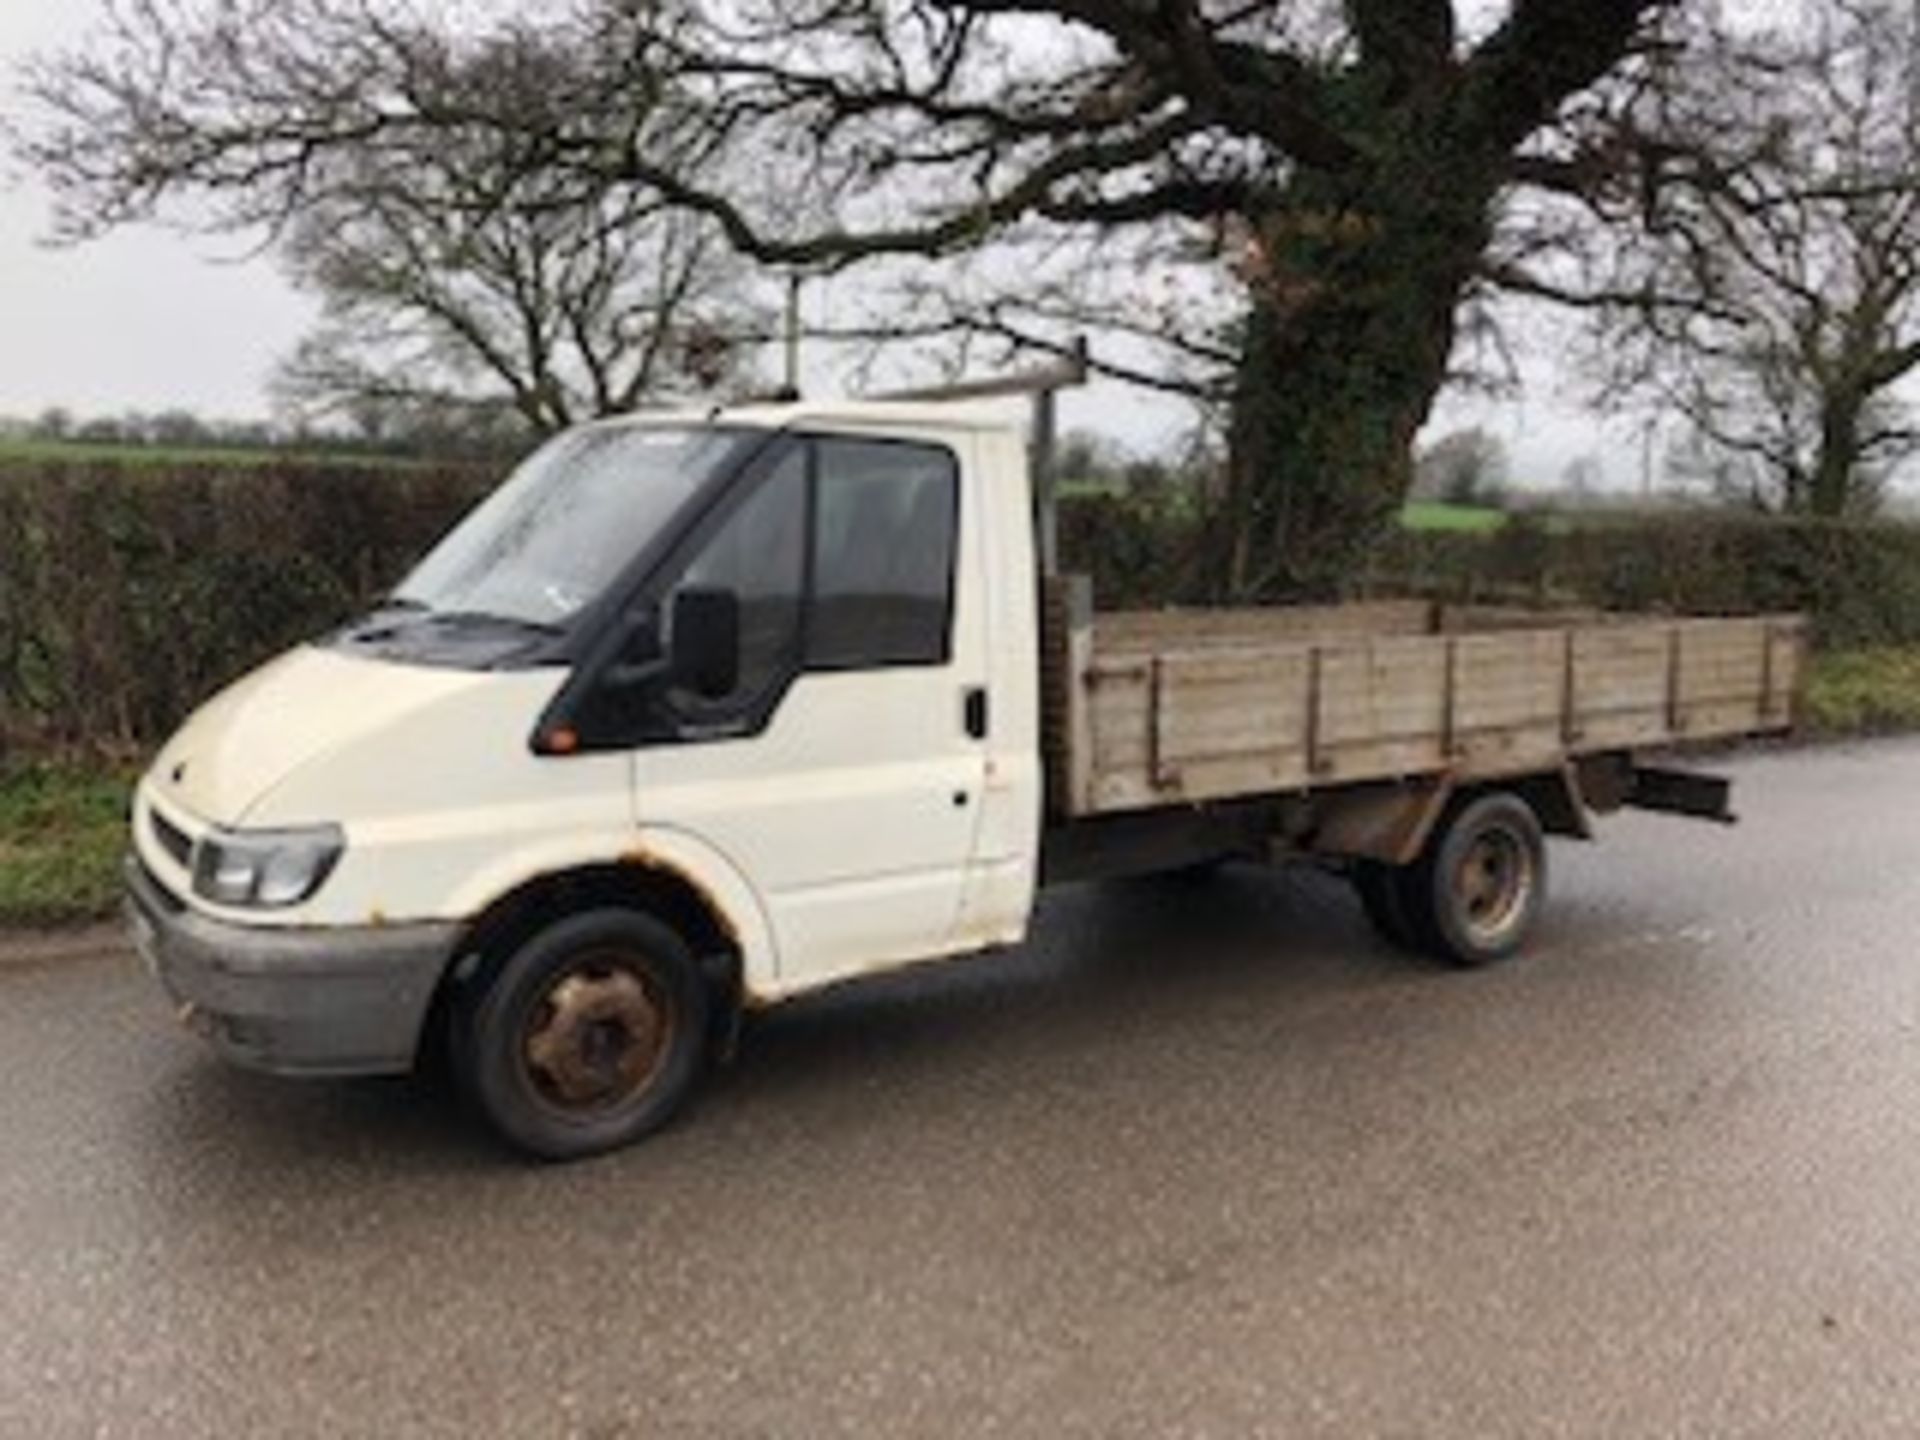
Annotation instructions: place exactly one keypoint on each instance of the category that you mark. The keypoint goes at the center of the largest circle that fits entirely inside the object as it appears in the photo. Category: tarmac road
(1202, 1160)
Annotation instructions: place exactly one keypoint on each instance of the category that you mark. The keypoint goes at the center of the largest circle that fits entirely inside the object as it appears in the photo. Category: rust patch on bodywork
(641, 858)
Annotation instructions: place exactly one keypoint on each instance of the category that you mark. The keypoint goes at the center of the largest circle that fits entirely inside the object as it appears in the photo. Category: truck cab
(694, 712)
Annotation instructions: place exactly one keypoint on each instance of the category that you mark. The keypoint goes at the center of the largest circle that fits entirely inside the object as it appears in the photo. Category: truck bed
(1146, 710)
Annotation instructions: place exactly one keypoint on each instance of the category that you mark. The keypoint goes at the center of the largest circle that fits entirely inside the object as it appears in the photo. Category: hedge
(129, 594)
(1860, 583)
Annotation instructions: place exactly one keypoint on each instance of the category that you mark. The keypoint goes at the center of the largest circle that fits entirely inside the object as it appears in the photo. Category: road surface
(1202, 1160)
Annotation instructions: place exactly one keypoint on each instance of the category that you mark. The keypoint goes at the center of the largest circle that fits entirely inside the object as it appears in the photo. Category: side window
(886, 519)
(759, 554)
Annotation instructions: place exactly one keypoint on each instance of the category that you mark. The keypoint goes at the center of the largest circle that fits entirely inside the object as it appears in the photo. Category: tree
(1774, 301)
(53, 423)
(453, 277)
(106, 430)
(1582, 478)
(1465, 467)
(178, 428)
(1085, 457)
(460, 285)
(1343, 169)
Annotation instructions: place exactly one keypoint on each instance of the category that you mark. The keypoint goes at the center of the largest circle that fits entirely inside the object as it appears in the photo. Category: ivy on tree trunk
(1344, 349)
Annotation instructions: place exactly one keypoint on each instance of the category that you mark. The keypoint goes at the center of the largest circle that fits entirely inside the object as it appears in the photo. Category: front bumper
(332, 1002)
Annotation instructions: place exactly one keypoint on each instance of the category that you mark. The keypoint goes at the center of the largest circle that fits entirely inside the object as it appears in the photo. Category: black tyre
(1380, 889)
(1474, 894)
(1200, 872)
(589, 1036)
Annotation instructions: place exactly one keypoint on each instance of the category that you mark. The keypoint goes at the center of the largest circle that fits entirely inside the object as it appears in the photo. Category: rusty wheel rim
(597, 1037)
(1493, 883)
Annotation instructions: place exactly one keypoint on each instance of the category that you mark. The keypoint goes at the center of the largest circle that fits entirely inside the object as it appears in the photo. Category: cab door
(843, 776)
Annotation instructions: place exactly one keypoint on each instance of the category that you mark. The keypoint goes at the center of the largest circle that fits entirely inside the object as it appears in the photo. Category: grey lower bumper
(293, 1002)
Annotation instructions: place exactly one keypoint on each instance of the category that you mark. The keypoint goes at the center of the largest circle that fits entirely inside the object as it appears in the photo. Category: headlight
(266, 869)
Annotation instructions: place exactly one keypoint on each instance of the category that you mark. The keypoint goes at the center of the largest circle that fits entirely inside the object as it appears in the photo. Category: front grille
(151, 887)
(172, 839)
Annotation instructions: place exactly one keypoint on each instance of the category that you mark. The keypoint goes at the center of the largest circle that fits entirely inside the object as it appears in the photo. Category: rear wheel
(589, 1036)
(1473, 895)
(1380, 889)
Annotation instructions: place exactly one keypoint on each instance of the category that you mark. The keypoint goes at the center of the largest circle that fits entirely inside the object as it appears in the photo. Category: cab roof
(960, 415)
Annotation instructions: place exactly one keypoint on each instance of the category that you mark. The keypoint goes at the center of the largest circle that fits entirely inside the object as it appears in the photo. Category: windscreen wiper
(484, 619)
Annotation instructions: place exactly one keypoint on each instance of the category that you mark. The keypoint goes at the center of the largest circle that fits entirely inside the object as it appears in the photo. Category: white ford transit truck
(699, 714)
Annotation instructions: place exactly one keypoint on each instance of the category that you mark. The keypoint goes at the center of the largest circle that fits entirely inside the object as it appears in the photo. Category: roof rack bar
(1064, 374)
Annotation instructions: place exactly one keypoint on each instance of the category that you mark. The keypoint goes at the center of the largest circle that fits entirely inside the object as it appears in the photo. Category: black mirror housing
(638, 663)
(706, 641)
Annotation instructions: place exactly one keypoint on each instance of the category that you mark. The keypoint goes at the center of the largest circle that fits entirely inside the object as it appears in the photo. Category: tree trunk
(1347, 338)
(1835, 478)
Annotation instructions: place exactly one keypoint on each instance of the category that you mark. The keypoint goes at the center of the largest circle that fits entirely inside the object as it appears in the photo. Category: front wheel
(1475, 893)
(589, 1036)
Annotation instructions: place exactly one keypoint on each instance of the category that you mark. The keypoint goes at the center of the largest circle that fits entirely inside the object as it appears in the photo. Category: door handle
(977, 716)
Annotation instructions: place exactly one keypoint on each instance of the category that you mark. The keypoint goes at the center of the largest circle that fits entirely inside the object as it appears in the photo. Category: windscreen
(559, 532)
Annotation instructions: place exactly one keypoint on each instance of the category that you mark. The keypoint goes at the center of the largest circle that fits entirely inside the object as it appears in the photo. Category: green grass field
(1422, 515)
(1864, 692)
(1435, 515)
(80, 452)
(63, 830)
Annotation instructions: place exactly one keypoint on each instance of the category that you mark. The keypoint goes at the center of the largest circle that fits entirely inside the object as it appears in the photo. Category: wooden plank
(1620, 677)
(1316, 697)
(1058, 679)
(1117, 702)
(1508, 681)
(1721, 680)
(1481, 619)
(1158, 770)
(1507, 699)
(1079, 768)
(1161, 631)
(1786, 674)
(1222, 712)
(1382, 709)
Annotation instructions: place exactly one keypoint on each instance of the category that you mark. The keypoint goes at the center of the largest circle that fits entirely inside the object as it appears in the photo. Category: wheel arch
(1556, 800)
(666, 875)
(1394, 823)
(659, 891)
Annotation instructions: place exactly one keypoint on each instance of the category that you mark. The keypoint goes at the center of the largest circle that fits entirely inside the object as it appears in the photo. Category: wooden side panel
(1509, 701)
(1206, 725)
(1234, 723)
(1382, 710)
(1786, 673)
(1620, 687)
(1199, 726)
(1117, 696)
(1163, 727)
(1721, 677)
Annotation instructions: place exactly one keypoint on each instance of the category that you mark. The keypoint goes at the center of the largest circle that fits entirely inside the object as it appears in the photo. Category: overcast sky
(142, 320)
(148, 319)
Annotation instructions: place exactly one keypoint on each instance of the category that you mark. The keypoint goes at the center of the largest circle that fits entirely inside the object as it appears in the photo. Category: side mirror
(706, 642)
